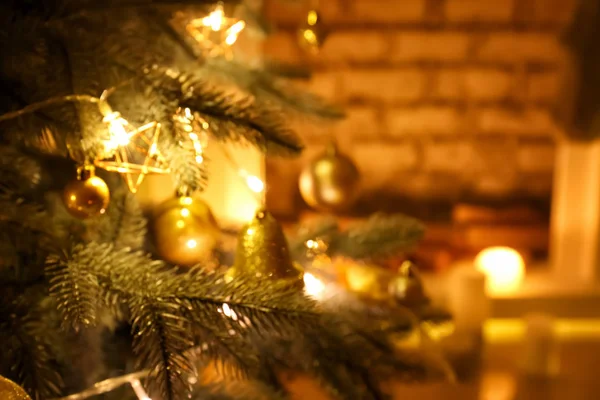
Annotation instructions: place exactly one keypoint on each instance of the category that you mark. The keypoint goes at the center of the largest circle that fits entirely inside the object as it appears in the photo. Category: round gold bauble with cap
(185, 231)
(330, 182)
(88, 195)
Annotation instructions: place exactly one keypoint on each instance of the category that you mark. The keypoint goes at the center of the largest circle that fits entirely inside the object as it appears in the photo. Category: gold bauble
(330, 182)
(406, 287)
(367, 281)
(312, 34)
(11, 391)
(262, 251)
(185, 231)
(88, 195)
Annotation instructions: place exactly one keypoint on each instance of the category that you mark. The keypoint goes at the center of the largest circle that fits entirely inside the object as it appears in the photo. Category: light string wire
(111, 384)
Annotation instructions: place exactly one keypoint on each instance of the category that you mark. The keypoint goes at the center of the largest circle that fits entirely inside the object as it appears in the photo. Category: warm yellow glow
(215, 18)
(191, 244)
(234, 32)
(186, 201)
(254, 183)
(185, 212)
(313, 287)
(503, 266)
(312, 18)
(117, 129)
(180, 224)
(73, 197)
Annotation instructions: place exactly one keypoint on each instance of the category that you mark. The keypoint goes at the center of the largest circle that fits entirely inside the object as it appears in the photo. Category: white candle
(467, 299)
(540, 348)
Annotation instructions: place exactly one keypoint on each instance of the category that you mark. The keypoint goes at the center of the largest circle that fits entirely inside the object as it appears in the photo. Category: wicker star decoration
(132, 152)
(216, 33)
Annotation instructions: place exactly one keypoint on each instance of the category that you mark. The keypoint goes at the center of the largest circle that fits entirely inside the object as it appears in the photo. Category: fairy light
(118, 132)
(215, 32)
(254, 182)
(313, 286)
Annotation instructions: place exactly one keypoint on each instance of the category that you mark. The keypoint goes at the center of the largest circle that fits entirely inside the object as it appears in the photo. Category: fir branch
(268, 88)
(124, 223)
(161, 339)
(230, 115)
(27, 355)
(381, 235)
(75, 290)
(61, 9)
(189, 175)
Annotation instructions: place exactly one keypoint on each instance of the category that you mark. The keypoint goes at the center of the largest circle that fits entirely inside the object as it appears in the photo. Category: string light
(216, 33)
(313, 286)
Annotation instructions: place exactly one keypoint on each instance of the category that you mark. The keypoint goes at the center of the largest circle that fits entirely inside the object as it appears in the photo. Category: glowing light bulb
(117, 129)
(234, 32)
(313, 287)
(504, 267)
(254, 183)
(215, 19)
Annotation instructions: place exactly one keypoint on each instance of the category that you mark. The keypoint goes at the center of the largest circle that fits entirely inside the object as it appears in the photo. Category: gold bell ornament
(262, 252)
(87, 196)
(312, 34)
(330, 182)
(407, 287)
(11, 391)
(185, 231)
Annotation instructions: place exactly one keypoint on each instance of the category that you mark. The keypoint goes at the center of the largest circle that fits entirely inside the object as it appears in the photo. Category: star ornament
(132, 152)
(216, 33)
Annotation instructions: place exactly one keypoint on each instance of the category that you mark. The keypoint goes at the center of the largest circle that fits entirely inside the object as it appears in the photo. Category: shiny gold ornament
(216, 33)
(367, 281)
(262, 251)
(11, 391)
(185, 231)
(406, 287)
(312, 34)
(88, 195)
(132, 152)
(330, 182)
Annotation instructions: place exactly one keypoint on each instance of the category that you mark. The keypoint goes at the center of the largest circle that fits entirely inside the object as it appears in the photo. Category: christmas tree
(95, 96)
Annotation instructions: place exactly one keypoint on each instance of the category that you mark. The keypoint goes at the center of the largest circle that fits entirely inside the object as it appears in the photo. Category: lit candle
(504, 268)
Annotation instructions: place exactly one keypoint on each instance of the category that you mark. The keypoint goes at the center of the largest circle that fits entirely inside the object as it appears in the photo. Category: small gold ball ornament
(262, 252)
(11, 391)
(88, 195)
(330, 182)
(312, 34)
(185, 231)
(407, 288)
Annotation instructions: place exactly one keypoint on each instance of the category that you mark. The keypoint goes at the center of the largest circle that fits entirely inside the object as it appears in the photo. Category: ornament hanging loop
(85, 171)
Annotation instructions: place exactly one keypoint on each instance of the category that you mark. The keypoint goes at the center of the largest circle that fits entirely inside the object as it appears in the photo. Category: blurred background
(450, 106)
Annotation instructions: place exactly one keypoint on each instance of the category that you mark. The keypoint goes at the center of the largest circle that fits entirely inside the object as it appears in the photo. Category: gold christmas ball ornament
(11, 391)
(312, 34)
(330, 182)
(262, 251)
(87, 196)
(406, 287)
(185, 231)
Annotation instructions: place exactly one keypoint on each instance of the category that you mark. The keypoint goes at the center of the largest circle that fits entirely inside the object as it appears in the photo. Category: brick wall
(446, 99)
